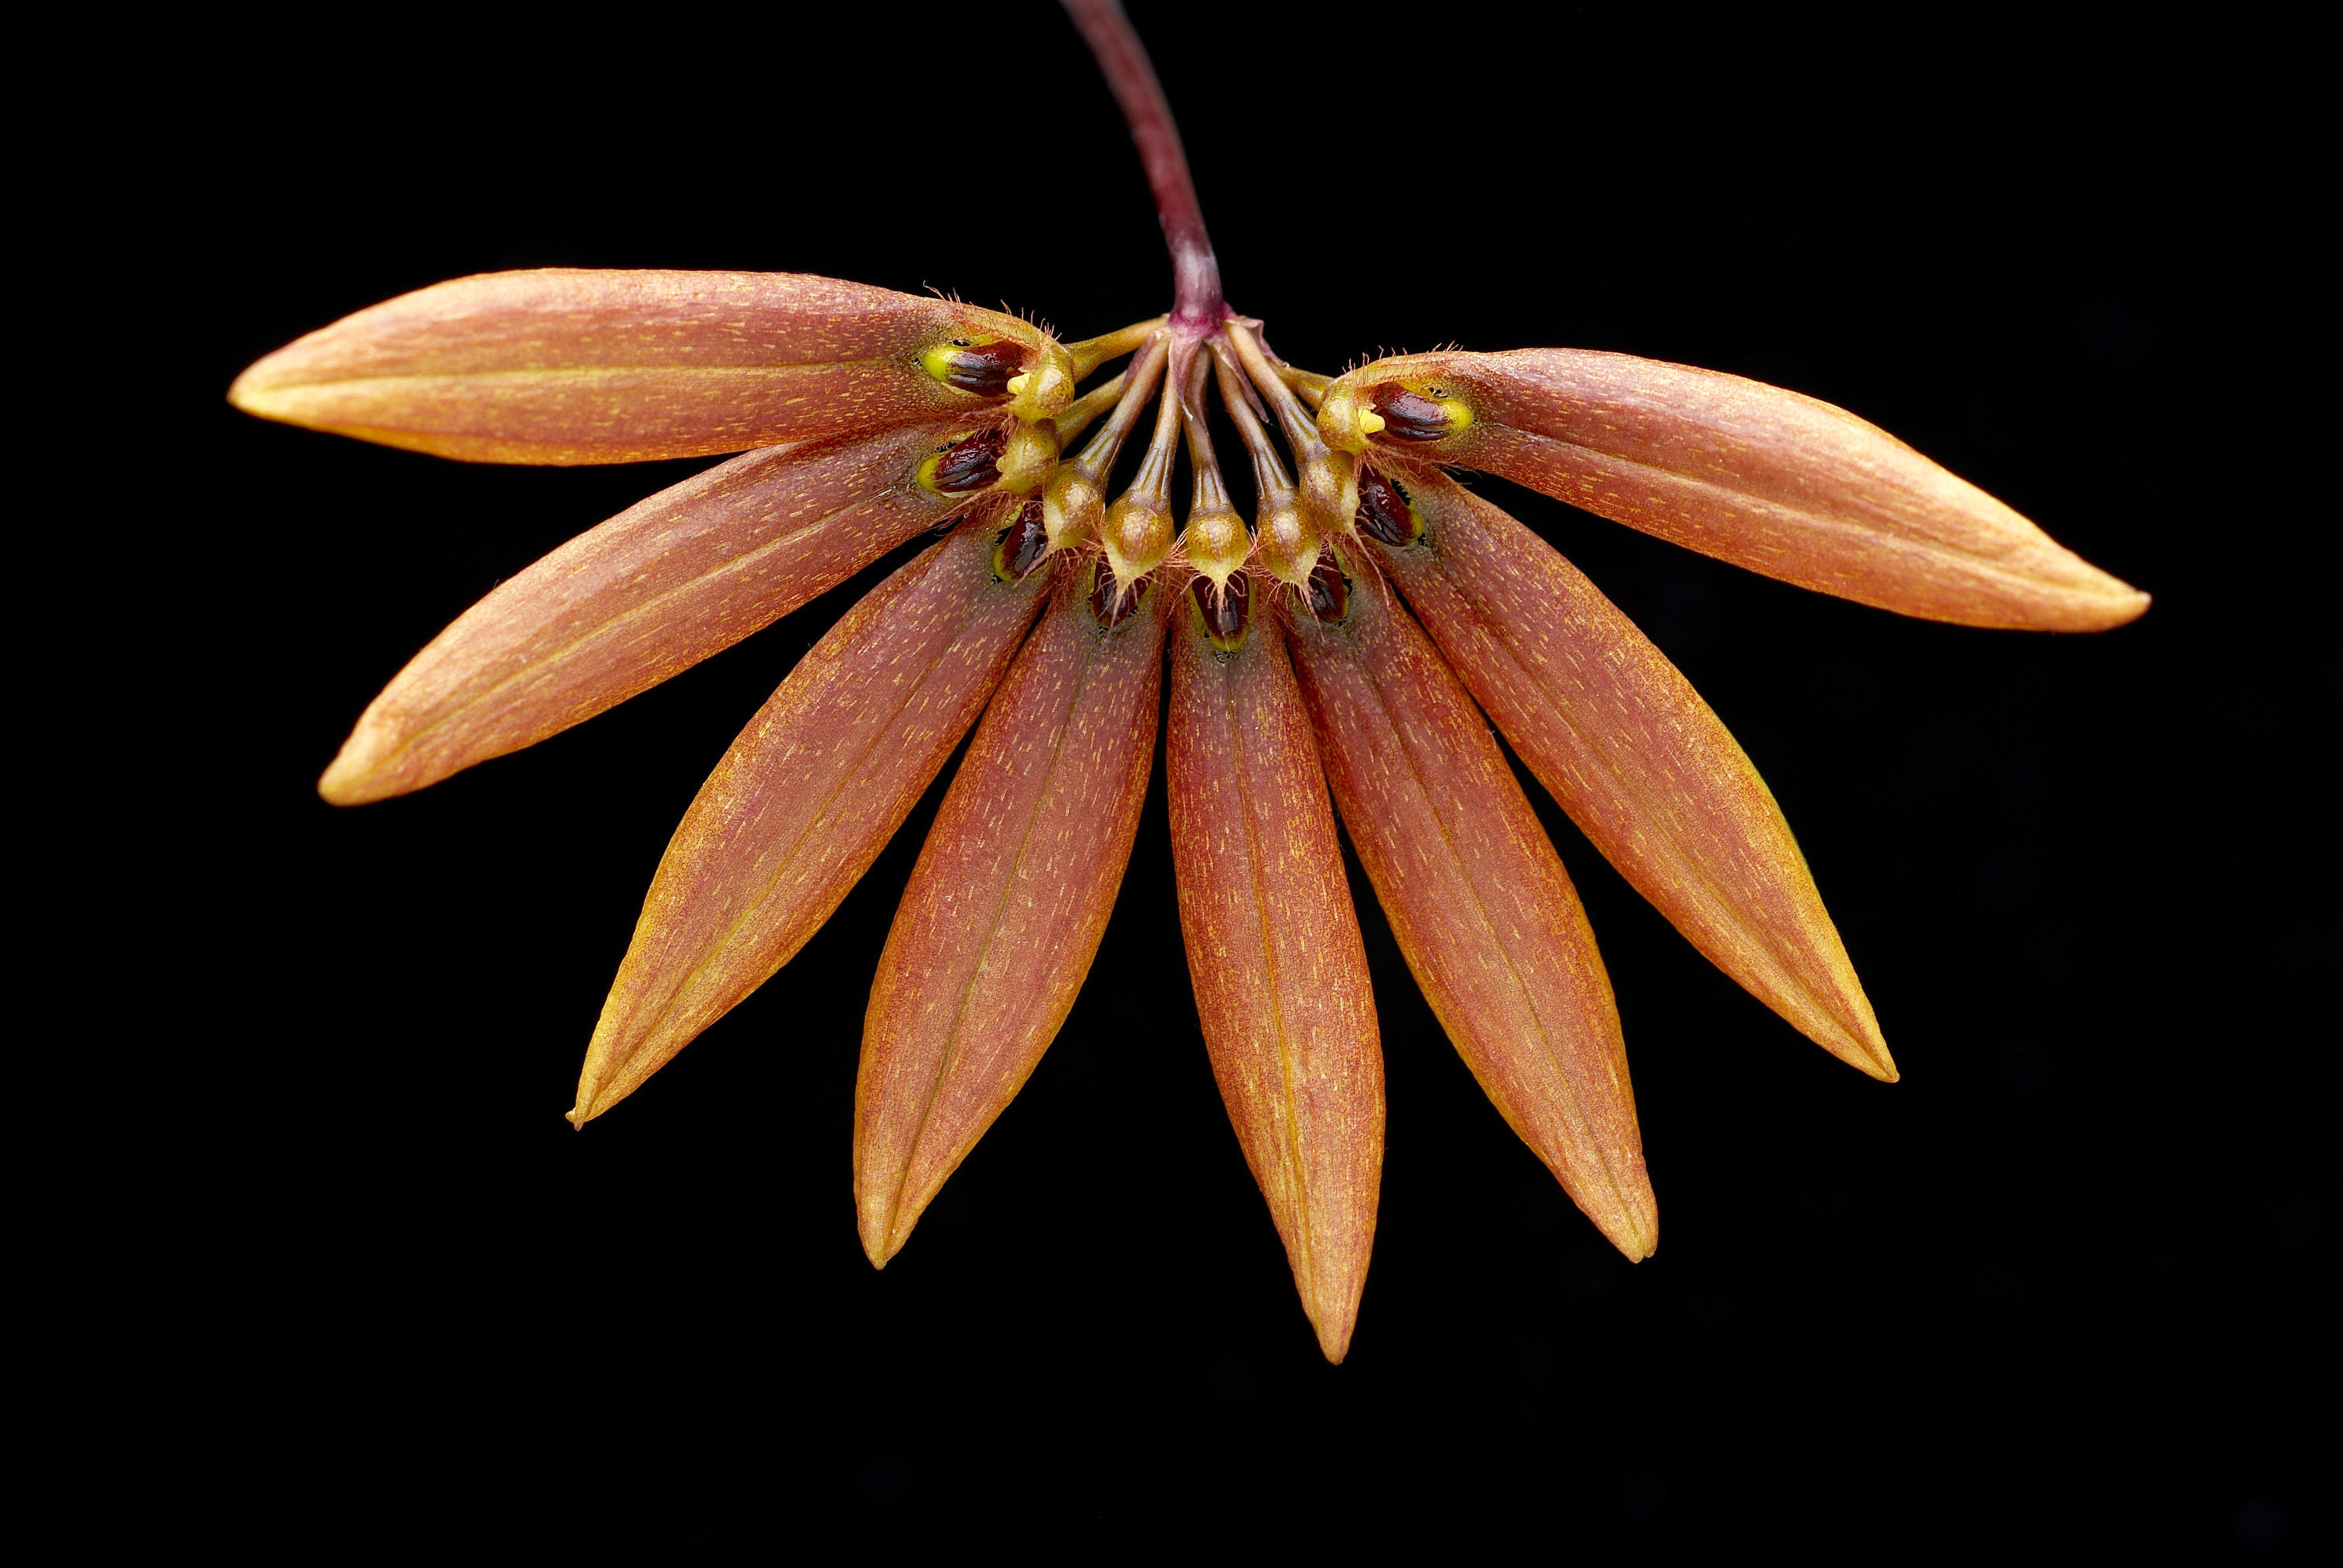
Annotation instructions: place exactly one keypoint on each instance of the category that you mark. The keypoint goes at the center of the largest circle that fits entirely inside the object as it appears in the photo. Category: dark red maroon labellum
(1410, 416)
(1226, 610)
(983, 368)
(1021, 545)
(1384, 512)
(1110, 611)
(973, 464)
(1328, 592)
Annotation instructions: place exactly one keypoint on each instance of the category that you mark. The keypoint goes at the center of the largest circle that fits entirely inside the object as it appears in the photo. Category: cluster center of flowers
(1058, 470)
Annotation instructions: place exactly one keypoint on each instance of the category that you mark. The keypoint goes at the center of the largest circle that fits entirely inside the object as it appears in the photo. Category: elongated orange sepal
(658, 588)
(582, 367)
(1643, 767)
(1771, 481)
(1479, 901)
(1274, 950)
(805, 799)
(1007, 904)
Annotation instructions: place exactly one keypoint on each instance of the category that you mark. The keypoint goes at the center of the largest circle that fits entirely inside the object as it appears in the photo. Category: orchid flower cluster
(1341, 651)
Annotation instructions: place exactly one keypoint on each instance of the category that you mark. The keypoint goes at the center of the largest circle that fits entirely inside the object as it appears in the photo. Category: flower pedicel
(1347, 638)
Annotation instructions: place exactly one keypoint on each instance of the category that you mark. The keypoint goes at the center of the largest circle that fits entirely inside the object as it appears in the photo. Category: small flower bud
(1072, 506)
(1215, 541)
(1045, 386)
(1285, 541)
(1345, 417)
(1030, 452)
(1330, 490)
(1138, 534)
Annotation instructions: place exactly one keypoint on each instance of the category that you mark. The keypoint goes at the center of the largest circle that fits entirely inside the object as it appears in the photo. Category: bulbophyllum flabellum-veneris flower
(1338, 650)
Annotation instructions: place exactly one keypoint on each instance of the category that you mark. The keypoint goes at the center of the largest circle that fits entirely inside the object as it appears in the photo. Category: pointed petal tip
(1633, 1248)
(362, 772)
(1633, 1228)
(1635, 1245)
(1863, 1050)
(1872, 1060)
(594, 1099)
(347, 784)
(248, 392)
(880, 1245)
(1334, 1327)
(263, 394)
(2092, 602)
(2125, 607)
(1852, 1035)
(882, 1228)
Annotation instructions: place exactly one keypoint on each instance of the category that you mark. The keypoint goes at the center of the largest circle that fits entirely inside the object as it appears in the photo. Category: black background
(2062, 1285)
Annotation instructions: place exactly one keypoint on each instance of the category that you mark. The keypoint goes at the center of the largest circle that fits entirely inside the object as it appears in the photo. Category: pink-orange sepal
(1275, 956)
(1482, 907)
(1768, 479)
(562, 366)
(663, 585)
(1643, 767)
(1005, 908)
(804, 800)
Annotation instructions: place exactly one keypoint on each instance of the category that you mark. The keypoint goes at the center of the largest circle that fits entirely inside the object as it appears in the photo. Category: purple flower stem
(1197, 308)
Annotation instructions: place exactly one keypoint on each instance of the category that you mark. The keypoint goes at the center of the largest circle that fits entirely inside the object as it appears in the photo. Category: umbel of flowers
(1340, 647)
